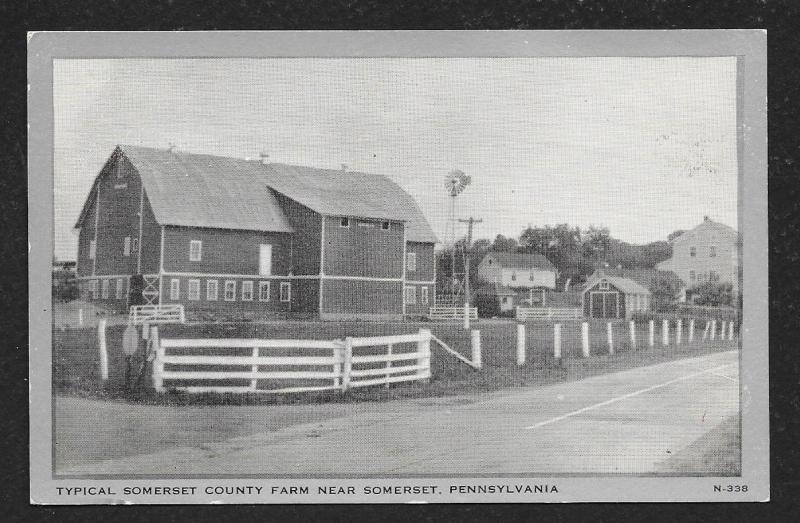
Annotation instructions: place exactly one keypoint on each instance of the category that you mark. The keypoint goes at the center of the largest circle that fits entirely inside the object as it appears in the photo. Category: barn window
(263, 291)
(286, 291)
(106, 283)
(119, 169)
(411, 261)
(93, 287)
(712, 251)
(604, 286)
(118, 289)
(195, 250)
(411, 295)
(230, 290)
(423, 299)
(344, 222)
(92, 249)
(193, 290)
(385, 226)
(247, 291)
(692, 251)
(211, 290)
(126, 246)
(175, 289)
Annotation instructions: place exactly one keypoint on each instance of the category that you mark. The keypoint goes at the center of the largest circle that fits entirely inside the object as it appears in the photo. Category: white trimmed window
(286, 291)
(195, 250)
(344, 222)
(247, 291)
(604, 286)
(712, 251)
(193, 290)
(263, 291)
(411, 261)
(211, 290)
(106, 283)
(230, 290)
(692, 276)
(94, 289)
(126, 246)
(385, 226)
(135, 245)
(411, 295)
(92, 249)
(175, 289)
(692, 251)
(423, 298)
(118, 288)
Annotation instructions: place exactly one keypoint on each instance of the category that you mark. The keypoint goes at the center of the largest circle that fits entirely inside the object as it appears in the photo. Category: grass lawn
(717, 453)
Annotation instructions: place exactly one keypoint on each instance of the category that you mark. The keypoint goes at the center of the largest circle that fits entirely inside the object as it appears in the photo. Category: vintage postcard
(396, 267)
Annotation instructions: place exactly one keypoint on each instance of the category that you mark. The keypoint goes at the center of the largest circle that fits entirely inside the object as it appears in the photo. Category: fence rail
(549, 313)
(451, 313)
(155, 314)
(311, 365)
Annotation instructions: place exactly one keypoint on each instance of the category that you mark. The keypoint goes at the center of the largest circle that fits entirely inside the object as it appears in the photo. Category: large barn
(247, 238)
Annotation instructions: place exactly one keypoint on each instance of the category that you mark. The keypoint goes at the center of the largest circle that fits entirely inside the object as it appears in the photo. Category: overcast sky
(643, 146)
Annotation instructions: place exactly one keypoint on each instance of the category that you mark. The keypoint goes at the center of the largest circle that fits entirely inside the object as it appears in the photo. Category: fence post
(476, 348)
(665, 333)
(652, 331)
(557, 341)
(347, 367)
(679, 332)
(722, 329)
(705, 330)
(691, 330)
(101, 342)
(713, 330)
(80, 317)
(632, 328)
(730, 330)
(585, 339)
(520, 344)
(517, 314)
(610, 335)
(158, 361)
(338, 357)
(466, 314)
(424, 349)
(254, 380)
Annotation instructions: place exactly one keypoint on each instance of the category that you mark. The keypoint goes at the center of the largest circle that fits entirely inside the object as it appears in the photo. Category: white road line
(625, 396)
(726, 377)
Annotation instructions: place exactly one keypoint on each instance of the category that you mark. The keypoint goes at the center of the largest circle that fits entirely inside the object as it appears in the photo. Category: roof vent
(705, 219)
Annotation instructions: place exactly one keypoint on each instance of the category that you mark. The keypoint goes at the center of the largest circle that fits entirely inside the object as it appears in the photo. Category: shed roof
(645, 277)
(625, 285)
(521, 260)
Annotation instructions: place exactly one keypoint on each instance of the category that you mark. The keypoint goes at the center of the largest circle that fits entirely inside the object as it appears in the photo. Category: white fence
(153, 314)
(451, 313)
(252, 365)
(541, 313)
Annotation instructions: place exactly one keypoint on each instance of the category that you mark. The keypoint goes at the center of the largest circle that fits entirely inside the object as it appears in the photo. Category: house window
(193, 290)
(604, 286)
(126, 247)
(175, 289)
(713, 276)
(513, 276)
(423, 299)
(411, 295)
(712, 251)
(411, 261)
(106, 283)
(230, 290)
(95, 294)
(692, 251)
(118, 289)
(692, 276)
(344, 222)
(385, 226)
(286, 291)
(195, 250)
(263, 291)
(247, 291)
(211, 290)
(531, 276)
(92, 249)
(135, 245)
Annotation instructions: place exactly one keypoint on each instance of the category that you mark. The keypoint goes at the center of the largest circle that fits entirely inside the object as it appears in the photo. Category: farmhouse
(613, 297)
(511, 278)
(245, 238)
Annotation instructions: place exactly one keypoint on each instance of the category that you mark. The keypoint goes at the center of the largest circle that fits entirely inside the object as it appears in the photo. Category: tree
(671, 236)
(503, 244)
(712, 294)
(664, 292)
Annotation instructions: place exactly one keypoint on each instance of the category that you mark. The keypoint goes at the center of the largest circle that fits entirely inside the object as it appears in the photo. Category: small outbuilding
(613, 297)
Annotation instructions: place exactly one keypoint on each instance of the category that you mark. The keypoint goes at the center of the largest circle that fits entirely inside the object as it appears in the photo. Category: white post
(730, 330)
(520, 344)
(254, 380)
(466, 315)
(610, 335)
(679, 332)
(388, 375)
(80, 317)
(585, 339)
(476, 348)
(158, 361)
(691, 330)
(338, 358)
(723, 330)
(665, 333)
(713, 330)
(517, 315)
(348, 362)
(101, 342)
(652, 334)
(632, 328)
(557, 341)
(424, 349)
(705, 330)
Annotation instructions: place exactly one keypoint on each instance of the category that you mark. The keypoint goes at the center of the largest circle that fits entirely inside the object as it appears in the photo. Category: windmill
(454, 182)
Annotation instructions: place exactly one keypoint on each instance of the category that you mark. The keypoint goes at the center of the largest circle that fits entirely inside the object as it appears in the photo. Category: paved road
(625, 422)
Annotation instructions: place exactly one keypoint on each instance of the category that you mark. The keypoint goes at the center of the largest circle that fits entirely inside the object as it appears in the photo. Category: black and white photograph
(300, 277)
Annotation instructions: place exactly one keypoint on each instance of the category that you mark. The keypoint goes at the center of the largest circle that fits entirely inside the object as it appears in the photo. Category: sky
(643, 146)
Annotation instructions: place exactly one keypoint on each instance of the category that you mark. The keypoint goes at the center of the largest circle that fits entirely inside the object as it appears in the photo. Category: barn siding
(425, 261)
(365, 298)
(85, 235)
(224, 251)
(305, 296)
(306, 240)
(420, 308)
(151, 240)
(360, 250)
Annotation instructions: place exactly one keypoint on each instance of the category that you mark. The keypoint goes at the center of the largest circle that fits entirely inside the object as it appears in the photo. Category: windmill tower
(454, 182)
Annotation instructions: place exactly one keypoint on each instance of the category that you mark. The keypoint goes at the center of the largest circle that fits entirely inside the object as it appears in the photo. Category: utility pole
(470, 222)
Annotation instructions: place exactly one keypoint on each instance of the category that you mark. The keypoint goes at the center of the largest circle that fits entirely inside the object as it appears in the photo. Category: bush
(712, 294)
(65, 286)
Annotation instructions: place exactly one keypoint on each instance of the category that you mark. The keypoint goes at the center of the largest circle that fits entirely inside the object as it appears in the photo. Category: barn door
(610, 300)
(265, 260)
(597, 304)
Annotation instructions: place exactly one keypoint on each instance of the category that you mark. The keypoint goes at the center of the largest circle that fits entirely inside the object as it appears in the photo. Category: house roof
(626, 285)
(646, 277)
(200, 190)
(710, 224)
(521, 260)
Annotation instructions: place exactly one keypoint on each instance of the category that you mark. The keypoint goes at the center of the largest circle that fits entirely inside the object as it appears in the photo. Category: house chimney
(264, 157)
(705, 218)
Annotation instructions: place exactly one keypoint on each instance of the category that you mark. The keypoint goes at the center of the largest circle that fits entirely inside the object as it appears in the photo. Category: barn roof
(626, 285)
(200, 190)
(521, 260)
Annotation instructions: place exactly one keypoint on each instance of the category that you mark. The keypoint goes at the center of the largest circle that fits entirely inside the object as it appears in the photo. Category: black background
(782, 22)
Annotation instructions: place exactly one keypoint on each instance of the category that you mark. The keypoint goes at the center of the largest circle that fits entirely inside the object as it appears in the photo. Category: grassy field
(76, 364)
